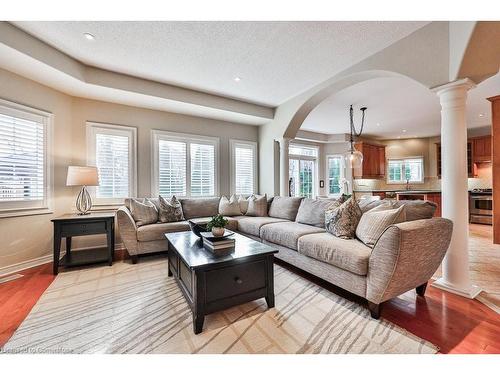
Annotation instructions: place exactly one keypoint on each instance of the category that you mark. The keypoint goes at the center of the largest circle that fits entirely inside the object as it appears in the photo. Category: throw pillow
(257, 205)
(229, 207)
(312, 211)
(341, 219)
(143, 213)
(374, 222)
(170, 211)
(243, 202)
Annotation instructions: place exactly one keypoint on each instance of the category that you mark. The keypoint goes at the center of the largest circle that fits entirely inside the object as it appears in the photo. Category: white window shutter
(22, 153)
(112, 161)
(244, 170)
(172, 168)
(202, 169)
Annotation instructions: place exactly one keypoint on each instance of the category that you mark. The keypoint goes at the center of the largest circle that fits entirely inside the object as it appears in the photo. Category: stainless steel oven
(481, 206)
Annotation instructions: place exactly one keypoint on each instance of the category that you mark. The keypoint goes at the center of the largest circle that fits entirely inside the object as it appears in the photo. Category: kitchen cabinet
(481, 149)
(373, 166)
(471, 169)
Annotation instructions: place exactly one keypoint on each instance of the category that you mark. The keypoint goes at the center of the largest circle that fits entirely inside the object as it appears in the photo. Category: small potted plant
(217, 224)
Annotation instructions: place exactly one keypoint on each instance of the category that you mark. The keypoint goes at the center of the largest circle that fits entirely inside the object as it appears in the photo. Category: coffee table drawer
(231, 281)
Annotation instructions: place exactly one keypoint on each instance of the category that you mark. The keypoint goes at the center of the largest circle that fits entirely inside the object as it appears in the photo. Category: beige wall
(28, 237)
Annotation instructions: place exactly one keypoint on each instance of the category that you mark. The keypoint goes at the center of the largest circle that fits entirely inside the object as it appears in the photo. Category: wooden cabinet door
(381, 161)
(482, 149)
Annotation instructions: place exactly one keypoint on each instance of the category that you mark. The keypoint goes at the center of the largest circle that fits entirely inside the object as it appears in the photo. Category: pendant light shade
(355, 159)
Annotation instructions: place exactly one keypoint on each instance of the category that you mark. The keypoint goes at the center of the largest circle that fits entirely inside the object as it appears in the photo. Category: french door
(302, 173)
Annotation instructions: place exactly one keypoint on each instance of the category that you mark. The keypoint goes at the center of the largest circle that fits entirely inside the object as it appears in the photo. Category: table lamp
(82, 176)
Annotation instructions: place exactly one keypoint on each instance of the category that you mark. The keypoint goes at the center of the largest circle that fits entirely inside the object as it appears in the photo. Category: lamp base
(83, 202)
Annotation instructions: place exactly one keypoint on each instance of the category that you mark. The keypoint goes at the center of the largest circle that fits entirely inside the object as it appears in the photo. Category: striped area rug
(137, 309)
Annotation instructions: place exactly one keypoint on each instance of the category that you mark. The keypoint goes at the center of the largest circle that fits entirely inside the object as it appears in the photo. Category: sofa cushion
(414, 209)
(287, 233)
(153, 232)
(342, 220)
(312, 211)
(285, 207)
(229, 206)
(143, 213)
(373, 223)
(232, 223)
(350, 255)
(199, 207)
(243, 202)
(257, 205)
(252, 225)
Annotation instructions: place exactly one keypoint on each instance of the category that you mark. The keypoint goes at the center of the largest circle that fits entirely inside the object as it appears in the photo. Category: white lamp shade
(82, 176)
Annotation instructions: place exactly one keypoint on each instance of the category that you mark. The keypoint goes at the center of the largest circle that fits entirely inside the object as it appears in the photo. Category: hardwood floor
(454, 323)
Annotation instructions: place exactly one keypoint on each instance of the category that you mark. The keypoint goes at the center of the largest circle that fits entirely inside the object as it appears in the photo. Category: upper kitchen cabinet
(471, 170)
(373, 161)
(481, 149)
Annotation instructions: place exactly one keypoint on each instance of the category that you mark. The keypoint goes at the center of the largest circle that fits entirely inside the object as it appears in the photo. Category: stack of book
(217, 245)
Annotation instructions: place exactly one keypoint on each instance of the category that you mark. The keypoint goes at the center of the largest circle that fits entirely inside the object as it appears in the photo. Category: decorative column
(284, 166)
(454, 190)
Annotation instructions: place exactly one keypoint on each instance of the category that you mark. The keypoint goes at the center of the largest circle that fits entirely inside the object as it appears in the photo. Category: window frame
(233, 143)
(26, 207)
(327, 173)
(157, 135)
(92, 129)
(403, 163)
(310, 158)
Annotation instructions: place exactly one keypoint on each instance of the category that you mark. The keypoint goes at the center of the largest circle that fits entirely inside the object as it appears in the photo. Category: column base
(471, 293)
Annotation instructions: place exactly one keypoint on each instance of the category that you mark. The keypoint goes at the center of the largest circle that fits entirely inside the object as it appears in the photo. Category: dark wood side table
(71, 225)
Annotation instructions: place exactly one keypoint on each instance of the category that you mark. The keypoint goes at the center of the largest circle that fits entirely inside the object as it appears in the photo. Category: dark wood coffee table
(211, 283)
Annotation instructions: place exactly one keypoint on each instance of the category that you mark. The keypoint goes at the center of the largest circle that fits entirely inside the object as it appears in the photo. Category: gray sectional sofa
(405, 256)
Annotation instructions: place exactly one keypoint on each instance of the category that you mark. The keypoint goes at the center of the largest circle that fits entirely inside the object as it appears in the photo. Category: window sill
(26, 212)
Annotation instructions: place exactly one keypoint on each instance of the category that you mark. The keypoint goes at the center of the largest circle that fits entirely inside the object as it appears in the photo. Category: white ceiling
(275, 60)
(396, 104)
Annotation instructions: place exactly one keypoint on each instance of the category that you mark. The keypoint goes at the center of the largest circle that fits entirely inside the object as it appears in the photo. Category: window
(243, 167)
(112, 149)
(302, 172)
(25, 174)
(401, 170)
(184, 165)
(335, 173)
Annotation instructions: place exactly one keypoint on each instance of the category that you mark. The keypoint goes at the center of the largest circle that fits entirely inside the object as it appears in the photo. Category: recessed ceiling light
(237, 79)
(481, 115)
(89, 36)
(404, 130)
(378, 123)
(399, 136)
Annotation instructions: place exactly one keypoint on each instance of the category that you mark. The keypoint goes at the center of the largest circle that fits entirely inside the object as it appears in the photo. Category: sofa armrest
(406, 256)
(127, 229)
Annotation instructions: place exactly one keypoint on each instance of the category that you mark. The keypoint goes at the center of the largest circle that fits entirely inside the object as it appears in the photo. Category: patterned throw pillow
(243, 202)
(341, 219)
(374, 222)
(229, 207)
(170, 211)
(257, 205)
(143, 212)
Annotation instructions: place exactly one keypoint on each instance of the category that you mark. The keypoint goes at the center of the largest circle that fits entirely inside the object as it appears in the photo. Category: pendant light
(355, 157)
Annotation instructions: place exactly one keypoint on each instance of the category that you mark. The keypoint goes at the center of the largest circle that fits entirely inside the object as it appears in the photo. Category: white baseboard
(21, 266)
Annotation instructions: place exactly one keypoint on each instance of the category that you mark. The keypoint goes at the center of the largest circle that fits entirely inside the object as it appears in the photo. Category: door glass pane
(334, 175)
(301, 175)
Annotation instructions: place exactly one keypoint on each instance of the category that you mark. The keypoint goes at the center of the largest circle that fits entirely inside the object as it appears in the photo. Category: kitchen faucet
(407, 184)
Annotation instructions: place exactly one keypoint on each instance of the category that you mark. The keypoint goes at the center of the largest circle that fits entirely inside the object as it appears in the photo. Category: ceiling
(398, 107)
(275, 60)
